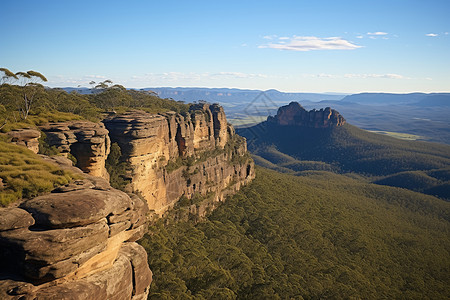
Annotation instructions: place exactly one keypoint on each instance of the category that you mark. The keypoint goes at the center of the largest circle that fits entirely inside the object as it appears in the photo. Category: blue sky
(301, 46)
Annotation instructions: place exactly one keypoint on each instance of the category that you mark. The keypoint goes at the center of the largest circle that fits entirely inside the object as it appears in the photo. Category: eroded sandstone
(88, 142)
(74, 243)
(295, 114)
(173, 155)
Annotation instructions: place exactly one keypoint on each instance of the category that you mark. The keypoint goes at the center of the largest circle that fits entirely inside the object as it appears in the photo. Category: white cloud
(236, 75)
(377, 33)
(364, 76)
(432, 34)
(355, 76)
(270, 37)
(309, 43)
(95, 76)
(192, 77)
(360, 37)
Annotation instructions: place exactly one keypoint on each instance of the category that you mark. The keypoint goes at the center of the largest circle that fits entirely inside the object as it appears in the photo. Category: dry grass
(25, 174)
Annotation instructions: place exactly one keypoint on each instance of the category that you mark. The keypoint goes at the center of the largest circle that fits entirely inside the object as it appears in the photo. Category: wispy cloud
(432, 34)
(236, 75)
(387, 76)
(356, 76)
(310, 43)
(378, 33)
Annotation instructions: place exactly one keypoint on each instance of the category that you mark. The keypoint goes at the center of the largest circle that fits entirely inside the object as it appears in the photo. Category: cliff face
(88, 142)
(295, 114)
(172, 155)
(75, 243)
(78, 242)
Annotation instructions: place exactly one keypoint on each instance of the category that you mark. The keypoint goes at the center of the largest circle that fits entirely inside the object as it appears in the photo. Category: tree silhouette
(30, 83)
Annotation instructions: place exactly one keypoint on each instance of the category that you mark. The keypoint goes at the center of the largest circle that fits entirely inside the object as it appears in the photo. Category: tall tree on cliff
(7, 76)
(31, 84)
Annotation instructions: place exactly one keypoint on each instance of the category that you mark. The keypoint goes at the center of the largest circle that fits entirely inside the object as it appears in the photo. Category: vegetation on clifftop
(55, 105)
(24, 174)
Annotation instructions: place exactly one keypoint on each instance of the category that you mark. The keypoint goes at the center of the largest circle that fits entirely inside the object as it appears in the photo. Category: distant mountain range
(235, 96)
(419, 114)
(416, 99)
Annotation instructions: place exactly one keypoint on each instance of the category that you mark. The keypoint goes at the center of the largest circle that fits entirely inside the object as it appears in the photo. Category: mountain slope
(322, 235)
(347, 148)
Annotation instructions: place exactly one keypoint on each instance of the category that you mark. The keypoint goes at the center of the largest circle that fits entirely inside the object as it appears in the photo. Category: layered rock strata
(173, 155)
(295, 114)
(88, 142)
(77, 242)
(26, 137)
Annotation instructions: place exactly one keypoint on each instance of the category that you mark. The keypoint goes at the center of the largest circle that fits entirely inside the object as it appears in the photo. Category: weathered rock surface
(75, 243)
(173, 155)
(78, 242)
(88, 142)
(295, 114)
(26, 137)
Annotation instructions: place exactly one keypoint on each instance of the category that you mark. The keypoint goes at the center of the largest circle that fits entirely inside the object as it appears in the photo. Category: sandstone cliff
(78, 242)
(88, 142)
(295, 114)
(172, 155)
(75, 243)
(26, 137)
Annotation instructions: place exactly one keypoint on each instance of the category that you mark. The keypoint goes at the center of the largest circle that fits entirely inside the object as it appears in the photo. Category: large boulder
(77, 242)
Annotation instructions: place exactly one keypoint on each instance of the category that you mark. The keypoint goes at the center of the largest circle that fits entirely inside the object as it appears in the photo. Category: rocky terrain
(88, 142)
(78, 242)
(215, 158)
(295, 114)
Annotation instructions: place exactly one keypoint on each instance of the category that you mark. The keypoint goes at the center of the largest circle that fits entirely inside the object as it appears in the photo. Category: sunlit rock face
(26, 137)
(88, 142)
(295, 114)
(77, 242)
(152, 145)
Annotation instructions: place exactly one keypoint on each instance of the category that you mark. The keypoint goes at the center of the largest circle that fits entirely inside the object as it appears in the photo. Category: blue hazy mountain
(416, 99)
(237, 95)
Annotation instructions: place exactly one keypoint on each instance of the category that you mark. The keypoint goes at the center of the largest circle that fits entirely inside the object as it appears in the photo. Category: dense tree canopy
(320, 235)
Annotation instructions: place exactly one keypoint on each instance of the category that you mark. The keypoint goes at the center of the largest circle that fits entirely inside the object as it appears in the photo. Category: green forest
(420, 166)
(343, 214)
(25, 102)
(310, 236)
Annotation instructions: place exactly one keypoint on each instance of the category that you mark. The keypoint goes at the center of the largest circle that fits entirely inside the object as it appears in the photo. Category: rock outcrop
(295, 114)
(77, 242)
(88, 142)
(26, 137)
(172, 155)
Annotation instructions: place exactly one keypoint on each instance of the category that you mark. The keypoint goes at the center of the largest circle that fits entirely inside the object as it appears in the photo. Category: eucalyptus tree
(8, 76)
(31, 83)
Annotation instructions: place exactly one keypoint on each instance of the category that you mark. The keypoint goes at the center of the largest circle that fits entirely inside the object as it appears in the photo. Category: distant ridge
(420, 99)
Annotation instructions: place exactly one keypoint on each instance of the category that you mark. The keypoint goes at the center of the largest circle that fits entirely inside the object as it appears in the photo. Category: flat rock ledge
(77, 242)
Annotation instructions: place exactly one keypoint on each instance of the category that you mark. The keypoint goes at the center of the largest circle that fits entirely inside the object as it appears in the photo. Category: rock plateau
(295, 114)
